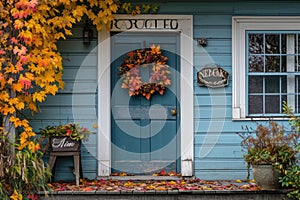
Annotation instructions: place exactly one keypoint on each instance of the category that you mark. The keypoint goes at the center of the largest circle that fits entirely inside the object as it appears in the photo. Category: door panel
(145, 136)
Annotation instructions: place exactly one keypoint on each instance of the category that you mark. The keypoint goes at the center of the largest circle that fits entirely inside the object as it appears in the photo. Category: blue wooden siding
(76, 103)
(212, 20)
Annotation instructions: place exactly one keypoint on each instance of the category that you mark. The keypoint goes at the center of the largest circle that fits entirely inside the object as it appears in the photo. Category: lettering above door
(151, 23)
(127, 24)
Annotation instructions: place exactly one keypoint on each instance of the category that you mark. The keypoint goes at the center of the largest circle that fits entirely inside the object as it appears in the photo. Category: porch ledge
(172, 194)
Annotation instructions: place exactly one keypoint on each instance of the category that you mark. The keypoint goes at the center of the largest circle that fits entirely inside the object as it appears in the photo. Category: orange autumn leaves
(30, 64)
(135, 67)
(114, 185)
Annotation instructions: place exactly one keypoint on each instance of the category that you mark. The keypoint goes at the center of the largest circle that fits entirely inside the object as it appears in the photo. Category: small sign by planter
(213, 77)
(61, 143)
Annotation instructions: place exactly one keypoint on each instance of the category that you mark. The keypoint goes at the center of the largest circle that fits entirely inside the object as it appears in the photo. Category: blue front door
(145, 137)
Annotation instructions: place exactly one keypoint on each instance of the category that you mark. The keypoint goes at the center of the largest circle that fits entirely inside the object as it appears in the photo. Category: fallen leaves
(164, 173)
(158, 185)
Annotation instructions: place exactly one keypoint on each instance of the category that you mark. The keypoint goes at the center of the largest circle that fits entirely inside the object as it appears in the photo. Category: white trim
(185, 29)
(104, 128)
(239, 26)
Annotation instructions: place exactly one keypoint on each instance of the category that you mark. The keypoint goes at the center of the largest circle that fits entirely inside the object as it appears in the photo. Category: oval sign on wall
(214, 77)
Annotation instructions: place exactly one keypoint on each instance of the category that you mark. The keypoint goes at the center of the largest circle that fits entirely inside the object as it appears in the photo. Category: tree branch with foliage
(30, 69)
(30, 64)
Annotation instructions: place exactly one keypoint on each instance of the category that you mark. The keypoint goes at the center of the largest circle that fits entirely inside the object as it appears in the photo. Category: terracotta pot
(266, 176)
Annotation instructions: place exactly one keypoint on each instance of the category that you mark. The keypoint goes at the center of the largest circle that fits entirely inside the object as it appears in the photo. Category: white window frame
(241, 24)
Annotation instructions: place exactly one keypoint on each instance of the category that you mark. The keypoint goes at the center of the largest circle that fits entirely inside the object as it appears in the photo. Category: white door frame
(163, 23)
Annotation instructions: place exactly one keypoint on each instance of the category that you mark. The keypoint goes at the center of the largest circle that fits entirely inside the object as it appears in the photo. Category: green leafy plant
(291, 178)
(72, 130)
(270, 144)
(23, 173)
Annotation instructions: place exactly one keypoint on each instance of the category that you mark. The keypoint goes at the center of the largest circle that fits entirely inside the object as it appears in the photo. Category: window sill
(261, 119)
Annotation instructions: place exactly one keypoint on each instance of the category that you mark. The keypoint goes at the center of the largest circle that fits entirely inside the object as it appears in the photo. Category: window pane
(298, 43)
(272, 63)
(272, 104)
(255, 84)
(298, 64)
(255, 104)
(272, 84)
(256, 43)
(256, 64)
(283, 63)
(283, 84)
(283, 43)
(283, 98)
(272, 44)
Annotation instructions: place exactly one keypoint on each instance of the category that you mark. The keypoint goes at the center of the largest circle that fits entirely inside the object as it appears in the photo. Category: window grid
(267, 73)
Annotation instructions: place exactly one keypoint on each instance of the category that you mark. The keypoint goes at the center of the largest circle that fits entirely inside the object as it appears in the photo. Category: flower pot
(63, 143)
(266, 176)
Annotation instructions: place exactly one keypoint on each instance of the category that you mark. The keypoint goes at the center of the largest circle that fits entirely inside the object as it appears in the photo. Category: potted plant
(66, 137)
(269, 150)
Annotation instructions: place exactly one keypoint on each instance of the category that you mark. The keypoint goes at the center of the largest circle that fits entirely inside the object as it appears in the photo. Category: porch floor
(115, 188)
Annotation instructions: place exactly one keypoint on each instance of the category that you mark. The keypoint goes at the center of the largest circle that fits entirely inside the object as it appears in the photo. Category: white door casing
(148, 23)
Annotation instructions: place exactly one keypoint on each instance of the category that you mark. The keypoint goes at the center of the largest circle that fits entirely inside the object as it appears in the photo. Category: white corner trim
(185, 29)
(104, 127)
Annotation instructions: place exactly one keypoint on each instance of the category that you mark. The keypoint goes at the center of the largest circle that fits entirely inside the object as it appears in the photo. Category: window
(266, 69)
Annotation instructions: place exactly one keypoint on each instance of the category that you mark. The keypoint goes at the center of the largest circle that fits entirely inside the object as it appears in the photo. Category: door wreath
(130, 71)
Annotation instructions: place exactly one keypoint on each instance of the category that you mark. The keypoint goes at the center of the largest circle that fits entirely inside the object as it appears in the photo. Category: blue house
(191, 128)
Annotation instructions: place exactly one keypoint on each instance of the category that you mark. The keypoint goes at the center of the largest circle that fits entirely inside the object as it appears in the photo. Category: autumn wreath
(130, 71)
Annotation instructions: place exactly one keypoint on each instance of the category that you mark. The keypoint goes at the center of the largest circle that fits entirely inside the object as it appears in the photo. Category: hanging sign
(213, 77)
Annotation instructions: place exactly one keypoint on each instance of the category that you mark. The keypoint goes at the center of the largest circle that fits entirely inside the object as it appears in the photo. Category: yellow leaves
(18, 122)
(26, 36)
(58, 36)
(155, 49)
(39, 96)
(33, 147)
(79, 12)
(16, 102)
(5, 109)
(114, 8)
(52, 89)
(32, 106)
(10, 81)
(16, 196)
(25, 135)
(18, 24)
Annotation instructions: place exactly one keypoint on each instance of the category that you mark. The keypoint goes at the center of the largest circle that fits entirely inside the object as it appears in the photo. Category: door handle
(173, 111)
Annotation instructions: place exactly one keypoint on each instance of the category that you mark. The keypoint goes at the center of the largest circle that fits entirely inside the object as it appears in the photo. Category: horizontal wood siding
(218, 154)
(76, 103)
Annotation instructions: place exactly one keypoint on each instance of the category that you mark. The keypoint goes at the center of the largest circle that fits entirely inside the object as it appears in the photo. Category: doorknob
(173, 111)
